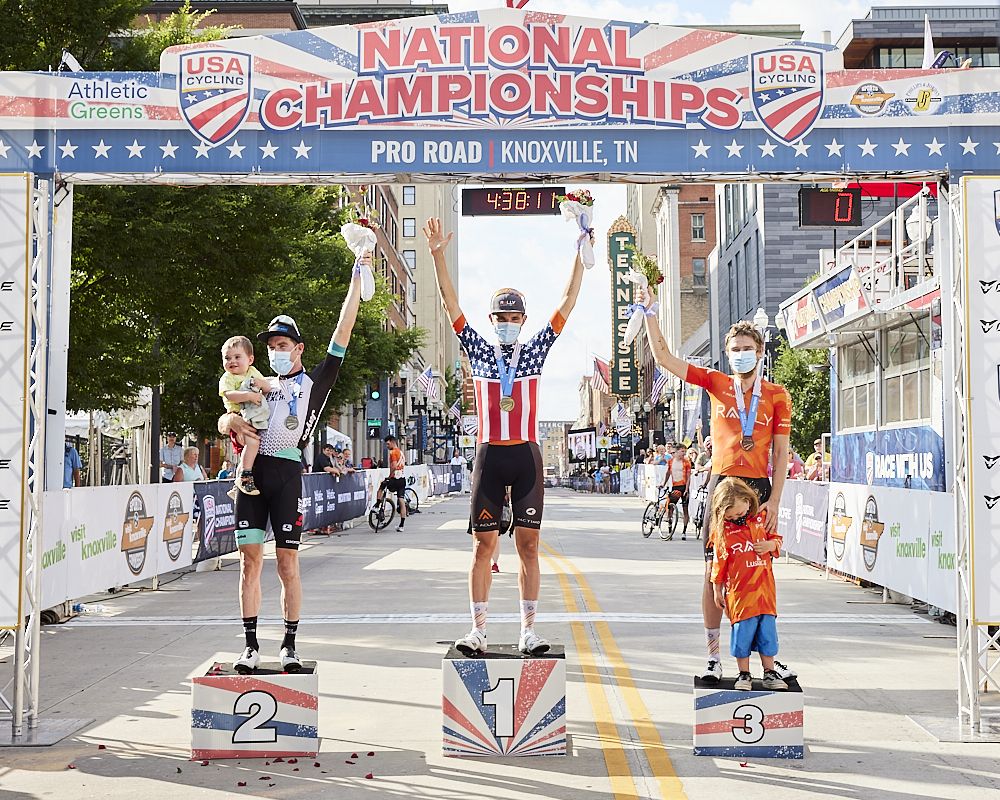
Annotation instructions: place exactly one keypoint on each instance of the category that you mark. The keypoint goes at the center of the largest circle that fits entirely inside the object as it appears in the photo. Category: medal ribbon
(507, 373)
(293, 396)
(747, 418)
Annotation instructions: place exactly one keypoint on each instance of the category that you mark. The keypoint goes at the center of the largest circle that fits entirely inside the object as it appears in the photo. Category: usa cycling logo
(787, 90)
(215, 91)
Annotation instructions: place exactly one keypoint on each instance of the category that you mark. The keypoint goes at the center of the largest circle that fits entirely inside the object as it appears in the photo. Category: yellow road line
(670, 785)
(619, 772)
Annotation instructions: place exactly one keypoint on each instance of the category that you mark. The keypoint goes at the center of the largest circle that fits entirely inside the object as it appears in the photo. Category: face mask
(743, 361)
(507, 332)
(741, 521)
(281, 361)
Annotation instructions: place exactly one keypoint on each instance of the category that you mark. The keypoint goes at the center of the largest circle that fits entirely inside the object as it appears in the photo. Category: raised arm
(436, 243)
(349, 311)
(658, 345)
(572, 290)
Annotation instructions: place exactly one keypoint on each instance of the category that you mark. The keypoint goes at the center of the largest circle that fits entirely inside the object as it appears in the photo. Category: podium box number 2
(266, 714)
(757, 724)
(504, 703)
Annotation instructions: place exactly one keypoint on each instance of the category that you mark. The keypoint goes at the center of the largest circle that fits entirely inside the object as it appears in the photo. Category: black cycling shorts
(498, 466)
(762, 486)
(395, 485)
(280, 483)
(681, 490)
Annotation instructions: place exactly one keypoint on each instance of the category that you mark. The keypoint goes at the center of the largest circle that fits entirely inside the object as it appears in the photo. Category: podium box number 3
(264, 715)
(504, 703)
(759, 723)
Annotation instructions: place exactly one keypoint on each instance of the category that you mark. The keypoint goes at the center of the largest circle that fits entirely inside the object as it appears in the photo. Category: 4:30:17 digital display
(511, 202)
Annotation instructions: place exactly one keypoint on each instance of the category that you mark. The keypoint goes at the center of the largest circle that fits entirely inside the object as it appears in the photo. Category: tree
(810, 392)
(162, 276)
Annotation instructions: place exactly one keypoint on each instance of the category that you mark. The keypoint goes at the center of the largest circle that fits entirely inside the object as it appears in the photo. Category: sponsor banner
(981, 204)
(627, 481)
(901, 457)
(15, 255)
(100, 537)
(215, 519)
(649, 477)
(418, 478)
(624, 371)
(894, 538)
(802, 519)
(841, 298)
(445, 478)
(327, 499)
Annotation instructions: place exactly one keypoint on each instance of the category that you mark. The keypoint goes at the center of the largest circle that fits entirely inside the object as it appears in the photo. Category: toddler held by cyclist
(743, 579)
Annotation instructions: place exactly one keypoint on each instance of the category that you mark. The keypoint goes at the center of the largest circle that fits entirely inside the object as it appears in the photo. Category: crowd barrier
(445, 478)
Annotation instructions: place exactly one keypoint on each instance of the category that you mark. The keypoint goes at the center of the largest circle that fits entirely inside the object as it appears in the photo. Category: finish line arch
(494, 95)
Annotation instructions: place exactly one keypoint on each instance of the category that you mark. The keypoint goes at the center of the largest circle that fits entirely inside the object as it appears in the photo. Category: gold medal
(506, 403)
(747, 443)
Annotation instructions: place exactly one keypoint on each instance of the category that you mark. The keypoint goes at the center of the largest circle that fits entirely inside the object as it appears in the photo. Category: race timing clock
(829, 208)
(536, 200)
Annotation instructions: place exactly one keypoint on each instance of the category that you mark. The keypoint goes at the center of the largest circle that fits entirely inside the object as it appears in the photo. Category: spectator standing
(324, 461)
(189, 468)
(171, 455)
(817, 462)
(796, 469)
(225, 471)
(71, 467)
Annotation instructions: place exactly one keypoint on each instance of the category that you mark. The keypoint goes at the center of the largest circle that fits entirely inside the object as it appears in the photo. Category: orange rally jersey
(774, 417)
(747, 576)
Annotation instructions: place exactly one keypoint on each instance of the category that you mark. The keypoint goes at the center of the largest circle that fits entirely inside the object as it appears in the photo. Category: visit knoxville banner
(898, 538)
(96, 538)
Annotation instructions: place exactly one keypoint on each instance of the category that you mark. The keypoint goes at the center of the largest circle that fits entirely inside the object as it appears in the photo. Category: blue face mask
(281, 361)
(507, 332)
(743, 361)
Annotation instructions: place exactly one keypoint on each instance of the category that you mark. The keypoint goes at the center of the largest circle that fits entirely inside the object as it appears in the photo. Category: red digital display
(829, 208)
(511, 202)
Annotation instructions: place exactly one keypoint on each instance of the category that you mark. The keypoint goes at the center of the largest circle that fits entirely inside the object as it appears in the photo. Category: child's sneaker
(744, 682)
(233, 492)
(786, 673)
(772, 680)
(246, 484)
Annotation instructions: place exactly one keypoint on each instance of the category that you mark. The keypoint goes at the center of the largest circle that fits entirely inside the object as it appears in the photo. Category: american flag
(621, 419)
(659, 384)
(599, 380)
(521, 422)
(426, 380)
(456, 410)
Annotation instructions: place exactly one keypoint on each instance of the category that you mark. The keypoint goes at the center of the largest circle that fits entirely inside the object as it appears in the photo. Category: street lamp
(762, 322)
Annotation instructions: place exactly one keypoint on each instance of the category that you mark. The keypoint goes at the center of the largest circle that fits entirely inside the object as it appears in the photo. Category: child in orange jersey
(742, 569)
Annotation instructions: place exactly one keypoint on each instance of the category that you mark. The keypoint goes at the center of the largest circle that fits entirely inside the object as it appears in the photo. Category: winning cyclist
(506, 377)
(751, 423)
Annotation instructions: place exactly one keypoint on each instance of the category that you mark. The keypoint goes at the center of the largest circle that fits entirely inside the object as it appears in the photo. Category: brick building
(250, 17)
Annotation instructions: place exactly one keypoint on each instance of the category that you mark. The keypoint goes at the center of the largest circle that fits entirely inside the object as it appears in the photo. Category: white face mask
(742, 361)
(507, 332)
(281, 361)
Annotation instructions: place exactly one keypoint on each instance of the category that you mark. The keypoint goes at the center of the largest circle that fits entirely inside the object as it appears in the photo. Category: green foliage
(452, 386)
(142, 51)
(33, 33)
(810, 393)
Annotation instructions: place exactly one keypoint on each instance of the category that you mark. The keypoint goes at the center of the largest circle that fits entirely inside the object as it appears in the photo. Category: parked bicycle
(666, 508)
(700, 509)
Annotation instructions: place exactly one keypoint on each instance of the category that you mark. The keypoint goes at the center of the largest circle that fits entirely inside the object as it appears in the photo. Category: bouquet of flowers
(644, 272)
(578, 206)
(360, 237)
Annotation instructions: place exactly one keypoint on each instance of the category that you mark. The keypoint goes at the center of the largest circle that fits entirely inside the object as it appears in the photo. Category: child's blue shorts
(758, 633)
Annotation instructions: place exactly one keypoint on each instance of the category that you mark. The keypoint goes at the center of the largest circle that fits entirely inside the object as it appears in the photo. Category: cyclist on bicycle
(395, 482)
(678, 473)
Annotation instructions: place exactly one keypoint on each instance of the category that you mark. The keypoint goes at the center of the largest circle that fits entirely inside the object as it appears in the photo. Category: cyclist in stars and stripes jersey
(506, 377)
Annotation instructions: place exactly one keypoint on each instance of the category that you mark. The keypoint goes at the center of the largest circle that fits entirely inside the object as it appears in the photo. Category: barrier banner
(802, 519)
(100, 537)
(445, 478)
(894, 538)
(327, 499)
(215, 519)
(626, 481)
(902, 457)
(418, 478)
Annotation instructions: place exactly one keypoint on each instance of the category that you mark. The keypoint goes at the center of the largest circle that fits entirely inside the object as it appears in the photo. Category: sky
(535, 254)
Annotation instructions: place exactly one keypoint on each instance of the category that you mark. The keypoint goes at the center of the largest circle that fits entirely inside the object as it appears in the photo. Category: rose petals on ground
(369, 776)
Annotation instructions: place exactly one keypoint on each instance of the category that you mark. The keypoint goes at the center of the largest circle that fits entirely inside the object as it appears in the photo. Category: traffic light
(374, 394)
(375, 432)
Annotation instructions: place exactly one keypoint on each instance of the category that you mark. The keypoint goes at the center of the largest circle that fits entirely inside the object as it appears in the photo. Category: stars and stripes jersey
(747, 576)
(520, 424)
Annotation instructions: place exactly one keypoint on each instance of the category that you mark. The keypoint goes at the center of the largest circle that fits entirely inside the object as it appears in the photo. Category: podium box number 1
(267, 714)
(504, 703)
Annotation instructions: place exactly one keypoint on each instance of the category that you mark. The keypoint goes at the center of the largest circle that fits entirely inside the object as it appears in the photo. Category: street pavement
(379, 611)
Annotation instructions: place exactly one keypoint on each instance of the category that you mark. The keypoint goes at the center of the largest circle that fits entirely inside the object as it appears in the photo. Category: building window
(760, 272)
(732, 293)
(729, 214)
(748, 266)
(697, 227)
(856, 373)
(741, 286)
(410, 257)
(906, 378)
(409, 226)
(698, 280)
(409, 195)
(752, 194)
